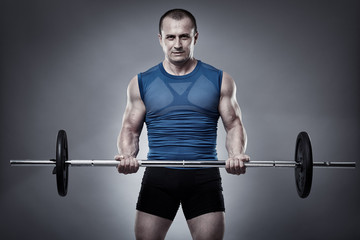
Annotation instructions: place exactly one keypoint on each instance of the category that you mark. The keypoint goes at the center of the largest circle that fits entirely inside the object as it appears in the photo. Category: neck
(180, 69)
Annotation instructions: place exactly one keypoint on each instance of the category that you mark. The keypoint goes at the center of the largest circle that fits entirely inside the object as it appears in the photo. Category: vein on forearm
(236, 139)
(128, 141)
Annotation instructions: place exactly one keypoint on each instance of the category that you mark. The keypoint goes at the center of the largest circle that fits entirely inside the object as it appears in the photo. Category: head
(178, 14)
(178, 35)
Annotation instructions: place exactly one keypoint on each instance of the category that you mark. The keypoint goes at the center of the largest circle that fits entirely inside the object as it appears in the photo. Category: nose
(178, 44)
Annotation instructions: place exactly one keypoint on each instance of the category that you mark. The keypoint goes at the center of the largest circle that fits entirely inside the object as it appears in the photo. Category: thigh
(210, 226)
(157, 195)
(204, 195)
(149, 227)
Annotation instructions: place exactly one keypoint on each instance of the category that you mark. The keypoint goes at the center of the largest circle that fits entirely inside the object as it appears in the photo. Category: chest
(198, 94)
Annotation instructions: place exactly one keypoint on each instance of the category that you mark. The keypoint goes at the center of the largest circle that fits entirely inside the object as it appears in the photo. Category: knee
(148, 235)
(141, 236)
(208, 236)
(214, 232)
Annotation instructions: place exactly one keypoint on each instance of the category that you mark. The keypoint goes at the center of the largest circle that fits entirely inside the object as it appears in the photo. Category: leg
(209, 226)
(156, 206)
(204, 207)
(150, 227)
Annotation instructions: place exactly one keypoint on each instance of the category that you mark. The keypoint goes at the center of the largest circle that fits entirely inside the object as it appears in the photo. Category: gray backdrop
(66, 65)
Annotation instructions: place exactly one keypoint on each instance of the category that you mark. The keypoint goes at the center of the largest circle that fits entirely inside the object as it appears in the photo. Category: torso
(181, 112)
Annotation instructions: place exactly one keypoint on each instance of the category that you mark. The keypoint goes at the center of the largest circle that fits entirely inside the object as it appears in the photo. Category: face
(177, 40)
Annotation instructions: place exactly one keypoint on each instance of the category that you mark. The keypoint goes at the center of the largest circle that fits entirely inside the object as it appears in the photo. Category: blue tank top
(181, 112)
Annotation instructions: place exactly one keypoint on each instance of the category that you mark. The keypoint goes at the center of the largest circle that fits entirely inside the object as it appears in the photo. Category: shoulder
(133, 82)
(209, 67)
(212, 73)
(227, 79)
(150, 71)
(133, 87)
(228, 86)
(145, 78)
(142, 80)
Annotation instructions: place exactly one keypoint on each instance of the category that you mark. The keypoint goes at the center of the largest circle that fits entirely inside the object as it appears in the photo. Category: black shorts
(199, 191)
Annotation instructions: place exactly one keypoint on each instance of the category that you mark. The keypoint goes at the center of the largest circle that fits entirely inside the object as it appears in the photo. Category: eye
(185, 37)
(170, 37)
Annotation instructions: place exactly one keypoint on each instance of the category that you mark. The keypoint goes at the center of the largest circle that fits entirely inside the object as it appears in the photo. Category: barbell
(303, 164)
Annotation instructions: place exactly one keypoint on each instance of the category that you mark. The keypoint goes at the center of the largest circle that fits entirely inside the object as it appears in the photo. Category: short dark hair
(178, 14)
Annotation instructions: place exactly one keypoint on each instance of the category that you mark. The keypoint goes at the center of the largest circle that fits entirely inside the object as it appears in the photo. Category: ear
(160, 39)
(196, 37)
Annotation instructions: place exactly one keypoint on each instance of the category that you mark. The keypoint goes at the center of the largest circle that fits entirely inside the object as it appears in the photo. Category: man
(181, 100)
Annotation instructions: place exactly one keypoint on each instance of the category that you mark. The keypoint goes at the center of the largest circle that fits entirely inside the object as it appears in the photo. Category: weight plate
(62, 169)
(304, 171)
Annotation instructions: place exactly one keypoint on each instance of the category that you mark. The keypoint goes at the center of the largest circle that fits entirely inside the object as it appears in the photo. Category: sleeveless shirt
(181, 112)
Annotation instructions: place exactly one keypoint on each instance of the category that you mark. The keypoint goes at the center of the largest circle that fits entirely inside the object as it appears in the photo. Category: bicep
(228, 107)
(134, 115)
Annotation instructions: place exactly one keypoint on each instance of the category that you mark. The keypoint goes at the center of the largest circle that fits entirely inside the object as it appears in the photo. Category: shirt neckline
(162, 69)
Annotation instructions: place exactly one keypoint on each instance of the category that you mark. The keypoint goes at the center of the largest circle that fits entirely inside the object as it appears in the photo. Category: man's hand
(235, 165)
(128, 164)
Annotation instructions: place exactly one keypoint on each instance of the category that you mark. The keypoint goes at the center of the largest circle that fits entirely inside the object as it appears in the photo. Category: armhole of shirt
(220, 81)
(140, 83)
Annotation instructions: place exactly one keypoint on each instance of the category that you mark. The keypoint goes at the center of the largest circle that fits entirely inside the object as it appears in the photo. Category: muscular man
(180, 100)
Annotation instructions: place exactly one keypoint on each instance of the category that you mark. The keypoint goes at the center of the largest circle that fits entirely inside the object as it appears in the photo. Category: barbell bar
(175, 163)
(303, 164)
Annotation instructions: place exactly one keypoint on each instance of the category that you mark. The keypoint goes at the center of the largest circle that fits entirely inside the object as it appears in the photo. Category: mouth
(178, 53)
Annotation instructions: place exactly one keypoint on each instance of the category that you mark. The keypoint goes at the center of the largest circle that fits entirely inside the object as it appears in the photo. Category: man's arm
(235, 132)
(133, 121)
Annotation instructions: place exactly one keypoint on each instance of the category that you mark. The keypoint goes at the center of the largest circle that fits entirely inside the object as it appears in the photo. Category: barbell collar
(30, 163)
(334, 164)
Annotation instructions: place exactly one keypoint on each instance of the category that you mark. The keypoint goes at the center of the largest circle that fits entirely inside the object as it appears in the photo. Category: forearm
(236, 139)
(128, 142)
